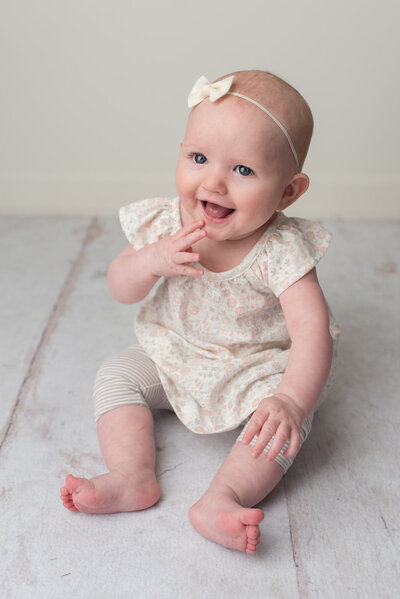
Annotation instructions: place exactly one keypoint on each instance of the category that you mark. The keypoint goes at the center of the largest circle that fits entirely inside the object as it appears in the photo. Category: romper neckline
(247, 261)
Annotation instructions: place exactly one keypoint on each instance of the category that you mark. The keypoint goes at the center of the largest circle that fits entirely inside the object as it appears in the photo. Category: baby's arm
(310, 357)
(133, 273)
(307, 370)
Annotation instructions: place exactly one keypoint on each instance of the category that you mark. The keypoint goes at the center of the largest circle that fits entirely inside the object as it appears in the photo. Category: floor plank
(344, 492)
(36, 255)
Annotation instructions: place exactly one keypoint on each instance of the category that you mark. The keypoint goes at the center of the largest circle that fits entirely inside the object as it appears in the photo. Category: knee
(115, 369)
(110, 367)
(115, 385)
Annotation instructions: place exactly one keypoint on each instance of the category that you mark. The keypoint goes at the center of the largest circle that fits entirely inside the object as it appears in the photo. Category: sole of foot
(110, 493)
(224, 521)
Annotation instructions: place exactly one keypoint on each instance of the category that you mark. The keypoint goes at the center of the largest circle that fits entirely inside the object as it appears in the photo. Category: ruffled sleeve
(292, 248)
(146, 221)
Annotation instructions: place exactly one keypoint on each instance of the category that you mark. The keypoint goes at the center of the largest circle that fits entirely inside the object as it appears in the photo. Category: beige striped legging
(131, 378)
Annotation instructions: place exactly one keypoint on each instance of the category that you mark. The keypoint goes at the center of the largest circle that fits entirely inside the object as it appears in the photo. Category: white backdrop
(93, 96)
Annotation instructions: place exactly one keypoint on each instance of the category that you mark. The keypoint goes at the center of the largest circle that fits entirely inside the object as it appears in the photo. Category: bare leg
(223, 514)
(127, 444)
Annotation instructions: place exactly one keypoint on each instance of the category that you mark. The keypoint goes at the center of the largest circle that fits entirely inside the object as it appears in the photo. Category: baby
(235, 329)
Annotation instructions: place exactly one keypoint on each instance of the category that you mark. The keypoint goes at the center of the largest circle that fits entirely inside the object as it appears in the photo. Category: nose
(214, 182)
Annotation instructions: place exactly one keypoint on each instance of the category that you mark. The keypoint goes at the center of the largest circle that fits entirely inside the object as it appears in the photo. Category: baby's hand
(277, 415)
(170, 255)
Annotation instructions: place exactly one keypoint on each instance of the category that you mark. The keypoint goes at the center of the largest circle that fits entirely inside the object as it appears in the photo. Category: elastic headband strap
(271, 116)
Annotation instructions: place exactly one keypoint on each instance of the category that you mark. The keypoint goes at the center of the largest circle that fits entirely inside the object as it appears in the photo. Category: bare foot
(219, 517)
(110, 493)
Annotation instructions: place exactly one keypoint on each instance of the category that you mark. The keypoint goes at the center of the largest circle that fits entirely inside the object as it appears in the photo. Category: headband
(213, 91)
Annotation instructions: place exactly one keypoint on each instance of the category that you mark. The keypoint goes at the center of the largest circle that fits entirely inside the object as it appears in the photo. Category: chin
(216, 235)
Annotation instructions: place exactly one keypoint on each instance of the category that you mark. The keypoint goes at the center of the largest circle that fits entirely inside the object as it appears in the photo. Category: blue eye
(244, 170)
(199, 158)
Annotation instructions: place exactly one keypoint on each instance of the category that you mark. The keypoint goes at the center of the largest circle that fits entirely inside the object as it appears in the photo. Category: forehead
(231, 121)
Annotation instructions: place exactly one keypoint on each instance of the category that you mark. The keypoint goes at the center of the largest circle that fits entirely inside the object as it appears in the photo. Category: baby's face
(233, 167)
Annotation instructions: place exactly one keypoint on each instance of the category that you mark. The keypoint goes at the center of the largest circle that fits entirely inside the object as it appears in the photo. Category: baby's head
(245, 144)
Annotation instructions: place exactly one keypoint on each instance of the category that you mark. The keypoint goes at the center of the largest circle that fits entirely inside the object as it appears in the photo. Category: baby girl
(235, 330)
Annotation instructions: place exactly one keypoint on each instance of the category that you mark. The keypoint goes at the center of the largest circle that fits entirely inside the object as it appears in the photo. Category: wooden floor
(331, 528)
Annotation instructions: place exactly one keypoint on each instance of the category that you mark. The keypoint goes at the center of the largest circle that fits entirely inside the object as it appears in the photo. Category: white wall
(93, 96)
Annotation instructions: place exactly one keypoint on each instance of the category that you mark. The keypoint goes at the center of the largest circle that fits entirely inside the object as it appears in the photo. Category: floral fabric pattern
(220, 341)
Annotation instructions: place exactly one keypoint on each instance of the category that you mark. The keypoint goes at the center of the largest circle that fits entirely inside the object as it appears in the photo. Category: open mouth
(215, 212)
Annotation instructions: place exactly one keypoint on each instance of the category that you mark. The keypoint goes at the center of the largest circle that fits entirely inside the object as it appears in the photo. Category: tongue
(216, 211)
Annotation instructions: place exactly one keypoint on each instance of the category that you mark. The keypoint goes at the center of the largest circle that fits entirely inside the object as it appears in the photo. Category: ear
(297, 185)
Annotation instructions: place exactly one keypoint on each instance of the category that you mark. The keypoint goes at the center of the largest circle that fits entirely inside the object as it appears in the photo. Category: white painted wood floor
(331, 528)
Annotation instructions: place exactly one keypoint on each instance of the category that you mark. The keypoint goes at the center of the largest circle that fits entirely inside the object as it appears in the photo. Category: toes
(253, 533)
(251, 516)
(66, 498)
(72, 483)
(252, 545)
(253, 539)
(64, 491)
(67, 501)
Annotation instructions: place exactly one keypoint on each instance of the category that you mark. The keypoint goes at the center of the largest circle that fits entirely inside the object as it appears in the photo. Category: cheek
(250, 198)
(185, 182)
(256, 206)
(180, 178)
(184, 185)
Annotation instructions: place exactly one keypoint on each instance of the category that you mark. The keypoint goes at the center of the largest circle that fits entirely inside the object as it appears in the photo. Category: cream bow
(204, 89)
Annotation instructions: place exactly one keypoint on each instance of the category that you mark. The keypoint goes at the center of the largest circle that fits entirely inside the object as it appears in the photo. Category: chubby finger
(189, 271)
(187, 229)
(264, 437)
(294, 444)
(254, 426)
(188, 240)
(281, 437)
(183, 257)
